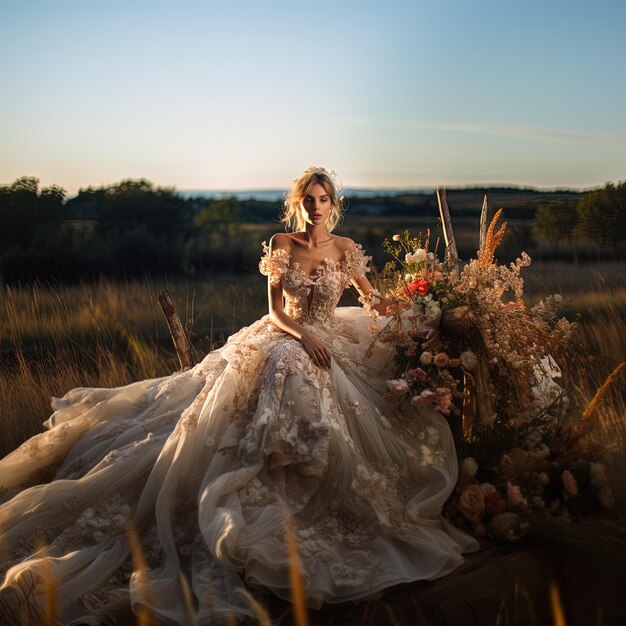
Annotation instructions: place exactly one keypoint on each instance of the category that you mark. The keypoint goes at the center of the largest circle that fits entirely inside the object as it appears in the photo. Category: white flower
(397, 237)
(486, 487)
(469, 467)
(433, 435)
(416, 257)
(427, 455)
(469, 360)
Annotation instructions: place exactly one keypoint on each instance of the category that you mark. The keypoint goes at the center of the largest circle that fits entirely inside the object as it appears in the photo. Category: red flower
(492, 502)
(419, 286)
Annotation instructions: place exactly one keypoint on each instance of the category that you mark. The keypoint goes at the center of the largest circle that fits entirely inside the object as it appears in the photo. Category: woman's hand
(432, 340)
(316, 350)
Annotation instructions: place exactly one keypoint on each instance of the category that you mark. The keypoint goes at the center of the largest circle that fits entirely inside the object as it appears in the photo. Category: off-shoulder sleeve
(274, 264)
(356, 262)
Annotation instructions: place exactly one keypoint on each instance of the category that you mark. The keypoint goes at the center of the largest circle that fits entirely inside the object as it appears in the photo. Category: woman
(288, 415)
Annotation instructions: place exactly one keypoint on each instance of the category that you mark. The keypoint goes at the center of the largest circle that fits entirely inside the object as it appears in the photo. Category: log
(177, 332)
(501, 584)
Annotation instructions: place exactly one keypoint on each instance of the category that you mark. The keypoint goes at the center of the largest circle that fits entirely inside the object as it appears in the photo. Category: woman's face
(316, 206)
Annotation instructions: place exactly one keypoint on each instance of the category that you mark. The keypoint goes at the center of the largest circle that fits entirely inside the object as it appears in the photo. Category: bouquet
(496, 373)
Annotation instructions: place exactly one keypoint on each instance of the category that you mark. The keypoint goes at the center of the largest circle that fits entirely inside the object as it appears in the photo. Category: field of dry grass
(106, 334)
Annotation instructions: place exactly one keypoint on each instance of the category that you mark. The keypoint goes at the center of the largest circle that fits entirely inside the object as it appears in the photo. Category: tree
(132, 203)
(555, 221)
(220, 218)
(24, 210)
(602, 214)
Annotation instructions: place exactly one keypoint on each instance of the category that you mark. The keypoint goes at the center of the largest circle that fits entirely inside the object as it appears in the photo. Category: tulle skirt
(206, 466)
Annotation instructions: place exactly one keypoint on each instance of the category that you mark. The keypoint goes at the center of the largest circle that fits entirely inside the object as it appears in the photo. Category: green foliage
(220, 218)
(555, 221)
(131, 203)
(599, 216)
(24, 210)
(602, 214)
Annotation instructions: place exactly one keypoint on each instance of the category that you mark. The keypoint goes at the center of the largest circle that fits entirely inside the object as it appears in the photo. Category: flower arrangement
(522, 451)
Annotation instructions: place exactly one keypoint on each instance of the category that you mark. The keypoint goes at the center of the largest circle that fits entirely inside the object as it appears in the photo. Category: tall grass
(103, 335)
(112, 333)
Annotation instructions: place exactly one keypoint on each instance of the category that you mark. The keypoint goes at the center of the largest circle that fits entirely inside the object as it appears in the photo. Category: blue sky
(241, 94)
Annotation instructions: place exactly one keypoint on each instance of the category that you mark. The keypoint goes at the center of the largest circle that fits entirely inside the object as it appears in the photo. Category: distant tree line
(133, 228)
(599, 216)
(128, 230)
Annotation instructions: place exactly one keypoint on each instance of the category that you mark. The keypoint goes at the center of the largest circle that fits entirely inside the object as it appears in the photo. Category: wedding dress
(205, 461)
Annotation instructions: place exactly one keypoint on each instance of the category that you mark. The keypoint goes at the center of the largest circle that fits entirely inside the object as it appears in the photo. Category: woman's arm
(432, 338)
(366, 291)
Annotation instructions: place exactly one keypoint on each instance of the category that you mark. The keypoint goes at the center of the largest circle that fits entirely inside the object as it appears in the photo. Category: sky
(233, 95)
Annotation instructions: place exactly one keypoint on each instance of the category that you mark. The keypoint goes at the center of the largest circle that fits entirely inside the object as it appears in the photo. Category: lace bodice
(312, 298)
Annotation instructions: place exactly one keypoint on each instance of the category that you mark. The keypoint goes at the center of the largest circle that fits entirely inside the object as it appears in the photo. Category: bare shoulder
(280, 241)
(345, 244)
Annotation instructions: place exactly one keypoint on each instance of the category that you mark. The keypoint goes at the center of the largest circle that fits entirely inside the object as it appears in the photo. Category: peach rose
(417, 373)
(441, 359)
(570, 485)
(472, 504)
(426, 358)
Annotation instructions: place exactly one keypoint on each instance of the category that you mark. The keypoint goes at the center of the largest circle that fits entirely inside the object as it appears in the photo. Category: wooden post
(177, 332)
(455, 422)
(484, 216)
(448, 233)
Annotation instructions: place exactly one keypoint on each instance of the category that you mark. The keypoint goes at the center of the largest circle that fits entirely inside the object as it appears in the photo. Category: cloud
(497, 130)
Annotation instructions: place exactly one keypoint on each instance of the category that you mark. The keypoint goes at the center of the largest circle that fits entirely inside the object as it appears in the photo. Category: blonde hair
(291, 216)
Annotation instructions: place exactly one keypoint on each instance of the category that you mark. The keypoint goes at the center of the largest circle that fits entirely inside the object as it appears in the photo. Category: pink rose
(443, 406)
(399, 386)
(426, 397)
(514, 494)
(416, 373)
(444, 400)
